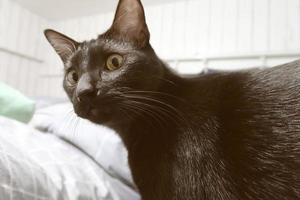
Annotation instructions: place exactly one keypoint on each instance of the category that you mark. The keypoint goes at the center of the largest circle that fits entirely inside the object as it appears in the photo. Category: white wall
(22, 51)
(191, 34)
(223, 34)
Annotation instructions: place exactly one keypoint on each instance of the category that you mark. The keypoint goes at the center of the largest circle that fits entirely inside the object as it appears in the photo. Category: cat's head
(100, 73)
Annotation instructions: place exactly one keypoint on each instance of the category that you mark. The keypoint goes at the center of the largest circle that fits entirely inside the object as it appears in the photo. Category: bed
(46, 159)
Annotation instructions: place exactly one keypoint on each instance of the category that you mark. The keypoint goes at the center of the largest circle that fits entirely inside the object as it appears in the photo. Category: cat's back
(269, 92)
(277, 79)
(259, 120)
(276, 87)
(255, 126)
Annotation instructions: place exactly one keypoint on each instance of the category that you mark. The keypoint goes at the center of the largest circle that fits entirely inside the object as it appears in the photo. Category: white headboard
(191, 35)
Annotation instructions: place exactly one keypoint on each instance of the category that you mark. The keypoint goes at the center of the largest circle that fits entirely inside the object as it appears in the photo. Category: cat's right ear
(63, 45)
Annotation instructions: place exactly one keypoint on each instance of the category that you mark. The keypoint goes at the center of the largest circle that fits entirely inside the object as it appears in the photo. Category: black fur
(220, 136)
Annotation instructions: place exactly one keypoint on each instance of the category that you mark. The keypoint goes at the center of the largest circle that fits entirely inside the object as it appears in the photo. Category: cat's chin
(95, 115)
(99, 116)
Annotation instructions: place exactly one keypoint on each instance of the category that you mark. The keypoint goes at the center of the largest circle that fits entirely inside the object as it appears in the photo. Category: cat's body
(244, 143)
(220, 136)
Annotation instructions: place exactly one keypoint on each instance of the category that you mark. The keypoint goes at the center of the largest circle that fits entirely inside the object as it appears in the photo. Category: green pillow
(15, 105)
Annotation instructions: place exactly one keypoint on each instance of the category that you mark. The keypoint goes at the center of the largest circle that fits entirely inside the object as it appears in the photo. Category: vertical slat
(261, 25)
(2, 20)
(20, 36)
(3, 56)
(13, 29)
(245, 26)
(7, 14)
(278, 27)
(25, 26)
(203, 8)
(154, 25)
(293, 25)
(99, 24)
(2, 66)
(215, 36)
(108, 19)
(22, 82)
(179, 28)
(167, 41)
(192, 33)
(230, 31)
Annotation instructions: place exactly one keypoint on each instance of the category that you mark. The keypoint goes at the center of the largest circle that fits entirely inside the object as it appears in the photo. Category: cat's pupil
(115, 62)
(75, 76)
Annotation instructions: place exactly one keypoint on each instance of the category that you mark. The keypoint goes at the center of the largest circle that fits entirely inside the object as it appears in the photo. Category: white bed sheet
(35, 165)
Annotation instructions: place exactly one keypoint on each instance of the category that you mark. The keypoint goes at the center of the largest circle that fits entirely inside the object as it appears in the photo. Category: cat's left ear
(130, 23)
(63, 45)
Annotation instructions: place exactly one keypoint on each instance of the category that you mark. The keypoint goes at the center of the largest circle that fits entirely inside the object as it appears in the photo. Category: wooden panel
(278, 25)
(192, 29)
(179, 29)
(154, 22)
(216, 27)
(203, 8)
(245, 26)
(20, 43)
(261, 26)
(293, 25)
(230, 31)
(166, 34)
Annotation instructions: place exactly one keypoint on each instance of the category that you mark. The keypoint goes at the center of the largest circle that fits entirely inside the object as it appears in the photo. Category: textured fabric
(15, 105)
(99, 142)
(34, 165)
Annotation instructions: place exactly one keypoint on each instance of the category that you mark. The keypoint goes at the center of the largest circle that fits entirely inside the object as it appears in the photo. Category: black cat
(221, 136)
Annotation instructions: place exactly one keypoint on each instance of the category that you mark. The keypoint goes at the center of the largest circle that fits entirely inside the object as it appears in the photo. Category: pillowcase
(41, 166)
(99, 142)
(13, 104)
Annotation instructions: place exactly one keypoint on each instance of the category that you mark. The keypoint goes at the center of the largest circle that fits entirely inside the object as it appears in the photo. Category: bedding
(99, 142)
(14, 104)
(36, 165)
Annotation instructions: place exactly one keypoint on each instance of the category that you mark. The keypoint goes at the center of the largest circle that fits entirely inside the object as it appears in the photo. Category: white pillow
(99, 142)
(34, 165)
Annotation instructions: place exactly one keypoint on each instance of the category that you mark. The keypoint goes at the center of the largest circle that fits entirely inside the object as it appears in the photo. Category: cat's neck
(170, 109)
(156, 112)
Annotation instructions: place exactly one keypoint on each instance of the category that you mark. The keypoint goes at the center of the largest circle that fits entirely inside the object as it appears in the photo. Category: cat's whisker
(124, 112)
(155, 101)
(73, 122)
(77, 124)
(157, 112)
(72, 125)
(155, 93)
(165, 108)
(165, 80)
(136, 105)
(67, 118)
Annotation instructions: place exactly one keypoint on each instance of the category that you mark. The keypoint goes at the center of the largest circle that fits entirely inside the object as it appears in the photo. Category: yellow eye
(114, 62)
(72, 77)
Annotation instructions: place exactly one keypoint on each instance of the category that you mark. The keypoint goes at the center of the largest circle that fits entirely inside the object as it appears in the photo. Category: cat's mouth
(97, 115)
(98, 112)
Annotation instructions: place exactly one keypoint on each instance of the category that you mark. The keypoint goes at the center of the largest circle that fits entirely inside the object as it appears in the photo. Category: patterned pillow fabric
(34, 165)
(99, 142)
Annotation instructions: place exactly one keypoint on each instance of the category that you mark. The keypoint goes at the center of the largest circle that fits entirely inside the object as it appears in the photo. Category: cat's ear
(63, 45)
(130, 23)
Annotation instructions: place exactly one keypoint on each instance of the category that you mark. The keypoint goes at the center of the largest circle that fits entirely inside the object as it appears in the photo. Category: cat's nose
(86, 94)
(85, 89)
